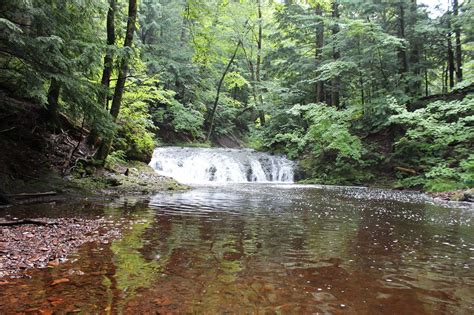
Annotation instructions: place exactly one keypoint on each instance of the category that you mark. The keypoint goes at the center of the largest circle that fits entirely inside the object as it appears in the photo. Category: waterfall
(202, 165)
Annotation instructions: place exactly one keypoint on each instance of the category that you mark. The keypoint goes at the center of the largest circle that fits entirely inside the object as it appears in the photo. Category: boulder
(469, 195)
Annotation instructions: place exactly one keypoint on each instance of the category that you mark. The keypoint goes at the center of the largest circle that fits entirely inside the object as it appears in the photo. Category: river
(263, 248)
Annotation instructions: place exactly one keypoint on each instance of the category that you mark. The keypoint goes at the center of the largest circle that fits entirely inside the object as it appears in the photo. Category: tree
(108, 58)
(457, 34)
(258, 63)
(212, 113)
(336, 54)
(104, 147)
(450, 56)
(103, 94)
(319, 43)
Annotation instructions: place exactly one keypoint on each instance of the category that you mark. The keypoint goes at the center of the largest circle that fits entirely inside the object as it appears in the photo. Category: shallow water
(263, 248)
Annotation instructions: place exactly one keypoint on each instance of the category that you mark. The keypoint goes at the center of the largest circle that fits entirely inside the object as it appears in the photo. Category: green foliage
(338, 83)
(135, 135)
(328, 133)
(332, 153)
(171, 114)
(438, 141)
(117, 157)
(42, 41)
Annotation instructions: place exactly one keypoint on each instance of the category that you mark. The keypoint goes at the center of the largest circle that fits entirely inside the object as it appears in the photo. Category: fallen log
(459, 94)
(26, 221)
(30, 195)
(405, 170)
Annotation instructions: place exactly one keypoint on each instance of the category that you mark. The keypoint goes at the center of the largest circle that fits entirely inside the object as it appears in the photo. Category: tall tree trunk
(445, 78)
(417, 46)
(450, 61)
(52, 110)
(426, 74)
(336, 54)
(402, 55)
(457, 32)
(319, 45)
(104, 148)
(252, 77)
(185, 22)
(261, 113)
(219, 86)
(108, 59)
(361, 84)
(108, 66)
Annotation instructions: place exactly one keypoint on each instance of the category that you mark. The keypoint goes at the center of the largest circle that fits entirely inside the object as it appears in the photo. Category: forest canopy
(356, 91)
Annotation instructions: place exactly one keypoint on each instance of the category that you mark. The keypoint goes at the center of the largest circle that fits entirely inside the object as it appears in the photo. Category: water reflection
(269, 248)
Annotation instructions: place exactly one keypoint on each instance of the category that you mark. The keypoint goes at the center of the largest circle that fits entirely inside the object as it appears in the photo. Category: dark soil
(30, 150)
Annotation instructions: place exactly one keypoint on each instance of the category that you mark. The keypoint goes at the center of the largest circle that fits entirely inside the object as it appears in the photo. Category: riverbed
(248, 248)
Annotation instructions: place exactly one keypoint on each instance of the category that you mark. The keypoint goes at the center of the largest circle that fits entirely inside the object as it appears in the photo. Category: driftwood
(30, 195)
(406, 170)
(26, 221)
(451, 96)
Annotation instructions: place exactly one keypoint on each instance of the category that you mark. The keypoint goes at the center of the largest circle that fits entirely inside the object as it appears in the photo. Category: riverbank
(132, 178)
(40, 163)
(39, 243)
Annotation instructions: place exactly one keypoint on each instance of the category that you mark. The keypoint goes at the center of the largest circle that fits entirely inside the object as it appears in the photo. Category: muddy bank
(41, 243)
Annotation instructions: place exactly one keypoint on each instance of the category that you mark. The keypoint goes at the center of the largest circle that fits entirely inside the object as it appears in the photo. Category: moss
(141, 180)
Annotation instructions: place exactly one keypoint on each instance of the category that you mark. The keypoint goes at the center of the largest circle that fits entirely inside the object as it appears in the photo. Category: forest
(236, 156)
(358, 92)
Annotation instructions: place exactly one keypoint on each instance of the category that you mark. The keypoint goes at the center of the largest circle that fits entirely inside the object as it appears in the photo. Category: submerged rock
(469, 195)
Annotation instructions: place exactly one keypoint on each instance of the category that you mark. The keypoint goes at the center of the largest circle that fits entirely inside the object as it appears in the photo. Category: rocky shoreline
(40, 243)
(466, 195)
(133, 178)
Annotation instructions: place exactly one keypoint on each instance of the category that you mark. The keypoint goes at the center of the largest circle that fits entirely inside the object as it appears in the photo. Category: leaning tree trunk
(104, 148)
(219, 86)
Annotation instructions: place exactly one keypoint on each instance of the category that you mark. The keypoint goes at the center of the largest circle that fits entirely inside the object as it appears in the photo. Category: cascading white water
(202, 165)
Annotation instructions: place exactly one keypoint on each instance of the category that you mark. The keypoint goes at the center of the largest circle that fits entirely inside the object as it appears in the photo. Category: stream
(245, 246)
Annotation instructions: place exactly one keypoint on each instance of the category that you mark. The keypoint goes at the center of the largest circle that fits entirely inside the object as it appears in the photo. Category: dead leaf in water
(53, 263)
(32, 310)
(58, 281)
(55, 300)
(163, 301)
(4, 282)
